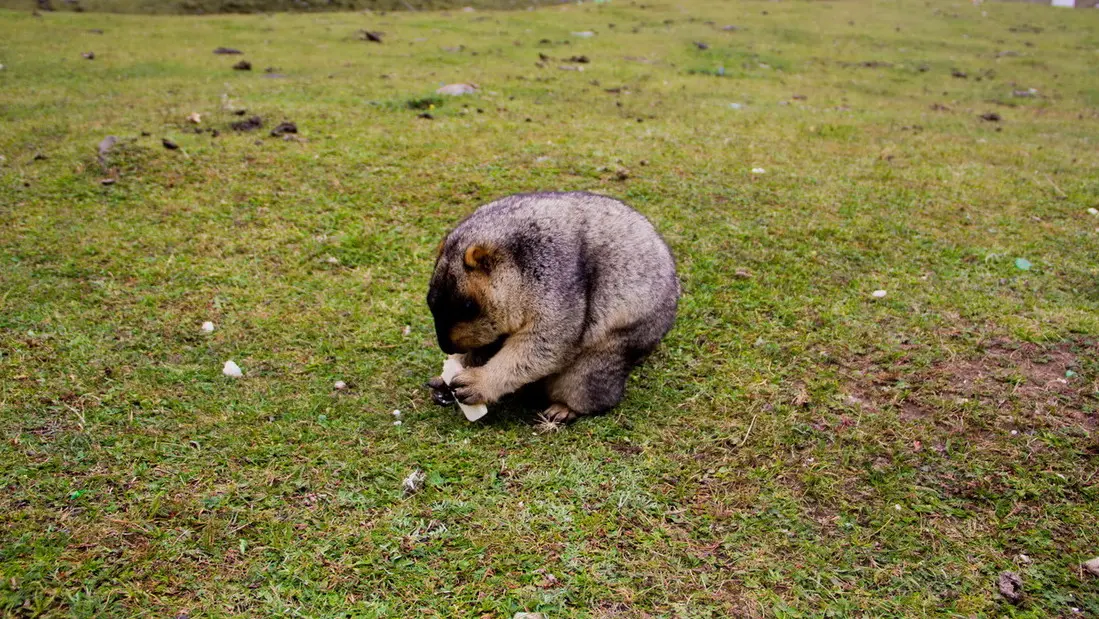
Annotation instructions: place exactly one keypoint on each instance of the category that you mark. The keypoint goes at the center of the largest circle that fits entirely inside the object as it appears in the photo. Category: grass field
(210, 7)
(796, 447)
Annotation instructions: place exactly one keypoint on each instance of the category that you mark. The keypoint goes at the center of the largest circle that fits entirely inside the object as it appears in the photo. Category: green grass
(796, 448)
(212, 7)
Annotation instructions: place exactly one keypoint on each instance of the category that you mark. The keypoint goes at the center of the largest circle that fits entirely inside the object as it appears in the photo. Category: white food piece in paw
(232, 369)
(451, 367)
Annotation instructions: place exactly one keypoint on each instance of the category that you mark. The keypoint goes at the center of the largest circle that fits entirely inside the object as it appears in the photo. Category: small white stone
(208, 326)
(396, 413)
(397, 423)
(332, 260)
(1014, 432)
(1092, 566)
(897, 507)
(455, 90)
(1093, 211)
(758, 171)
(407, 330)
(340, 385)
(231, 369)
(195, 118)
(878, 294)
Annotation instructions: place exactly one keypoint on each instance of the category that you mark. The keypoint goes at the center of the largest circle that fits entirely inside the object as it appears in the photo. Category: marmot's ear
(479, 258)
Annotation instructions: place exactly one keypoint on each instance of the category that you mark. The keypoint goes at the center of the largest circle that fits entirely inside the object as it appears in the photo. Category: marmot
(572, 289)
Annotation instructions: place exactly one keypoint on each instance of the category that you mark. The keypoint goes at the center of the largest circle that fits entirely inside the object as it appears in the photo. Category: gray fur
(578, 287)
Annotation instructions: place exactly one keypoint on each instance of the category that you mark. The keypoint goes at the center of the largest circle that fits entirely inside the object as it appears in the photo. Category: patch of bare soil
(1019, 382)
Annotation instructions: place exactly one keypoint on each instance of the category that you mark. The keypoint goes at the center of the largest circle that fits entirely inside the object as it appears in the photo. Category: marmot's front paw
(441, 393)
(471, 388)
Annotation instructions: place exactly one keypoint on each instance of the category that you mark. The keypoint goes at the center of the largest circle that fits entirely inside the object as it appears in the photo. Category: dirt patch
(1019, 382)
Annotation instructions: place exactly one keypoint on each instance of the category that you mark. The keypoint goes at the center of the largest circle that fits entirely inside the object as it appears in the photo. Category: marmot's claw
(441, 393)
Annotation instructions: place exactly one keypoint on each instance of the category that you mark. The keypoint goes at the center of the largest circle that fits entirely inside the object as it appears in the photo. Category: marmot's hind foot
(557, 415)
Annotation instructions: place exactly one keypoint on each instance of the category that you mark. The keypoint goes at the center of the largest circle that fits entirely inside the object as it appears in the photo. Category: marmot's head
(475, 295)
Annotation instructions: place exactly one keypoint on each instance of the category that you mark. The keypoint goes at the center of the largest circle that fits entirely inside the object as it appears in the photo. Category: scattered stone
(1093, 211)
(373, 37)
(701, 45)
(425, 116)
(1028, 93)
(88, 55)
(250, 124)
(579, 59)
(340, 385)
(243, 65)
(108, 181)
(170, 145)
(39, 157)
(407, 330)
(584, 34)
(730, 28)
(958, 73)
(758, 171)
(396, 413)
(528, 616)
(455, 90)
(939, 107)
(991, 117)
(743, 274)
(227, 51)
(569, 67)
(415, 479)
(284, 128)
(208, 327)
(332, 260)
(621, 174)
(96, 31)
(194, 118)
(232, 370)
(1023, 264)
(878, 294)
(1011, 587)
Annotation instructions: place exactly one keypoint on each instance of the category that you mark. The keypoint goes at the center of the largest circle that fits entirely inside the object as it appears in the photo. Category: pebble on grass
(208, 327)
(232, 370)
(1092, 566)
(340, 385)
(878, 294)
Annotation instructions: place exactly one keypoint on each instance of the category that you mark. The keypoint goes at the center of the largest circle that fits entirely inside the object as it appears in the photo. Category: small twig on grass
(79, 415)
(1055, 187)
(749, 432)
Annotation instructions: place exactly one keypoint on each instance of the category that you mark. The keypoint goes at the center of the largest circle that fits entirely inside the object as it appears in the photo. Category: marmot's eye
(470, 307)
